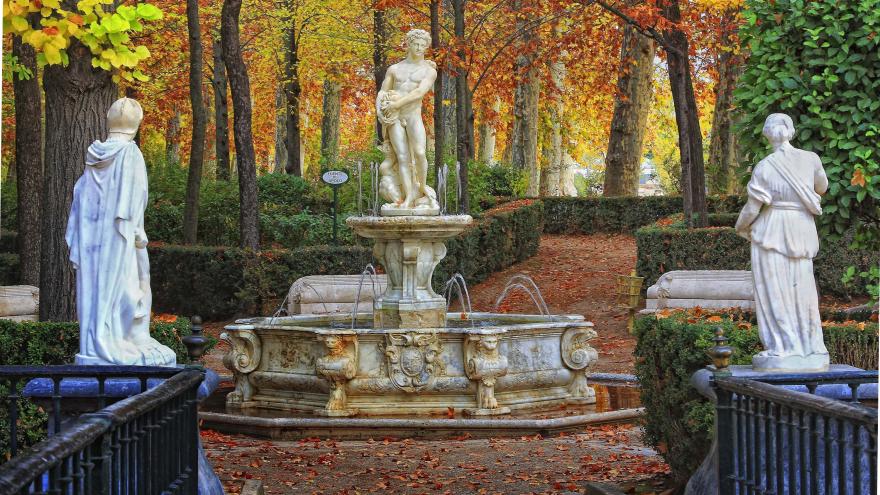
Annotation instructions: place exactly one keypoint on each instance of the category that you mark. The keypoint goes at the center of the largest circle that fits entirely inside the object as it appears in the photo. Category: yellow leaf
(20, 24)
(52, 4)
(45, 12)
(53, 54)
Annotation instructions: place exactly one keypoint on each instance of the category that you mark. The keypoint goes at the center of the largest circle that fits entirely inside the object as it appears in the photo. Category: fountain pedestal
(409, 247)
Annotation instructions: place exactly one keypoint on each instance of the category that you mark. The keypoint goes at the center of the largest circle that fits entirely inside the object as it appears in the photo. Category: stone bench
(324, 294)
(19, 303)
(709, 289)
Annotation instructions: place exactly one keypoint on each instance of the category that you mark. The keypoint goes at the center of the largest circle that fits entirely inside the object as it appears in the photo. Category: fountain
(408, 356)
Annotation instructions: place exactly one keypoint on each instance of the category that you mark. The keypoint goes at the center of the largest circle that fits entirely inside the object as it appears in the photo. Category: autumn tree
(199, 125)
(670, 35)
(85, 47)
(221, 110)
(631, 104)
(28, 159)
(524, 140)
(249, 208)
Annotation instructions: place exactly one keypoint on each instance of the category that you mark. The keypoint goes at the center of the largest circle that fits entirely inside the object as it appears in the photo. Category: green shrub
(9, 274)
(622, 214)
(498, 239)
(679, 422)
(819, 62)
(219, 282)
(49, 343)
(8, 241)
(665, 248)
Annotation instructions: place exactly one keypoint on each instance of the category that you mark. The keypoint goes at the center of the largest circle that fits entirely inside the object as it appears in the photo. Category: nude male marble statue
(404, 170)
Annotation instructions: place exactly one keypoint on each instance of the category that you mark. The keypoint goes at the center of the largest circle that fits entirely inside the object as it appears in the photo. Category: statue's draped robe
(784, 242)
(114, 311)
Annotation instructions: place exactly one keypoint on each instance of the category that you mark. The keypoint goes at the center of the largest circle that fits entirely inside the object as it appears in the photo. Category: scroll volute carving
(577, 353)
(245, 350)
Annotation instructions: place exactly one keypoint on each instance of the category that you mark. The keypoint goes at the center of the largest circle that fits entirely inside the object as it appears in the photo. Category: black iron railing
(144, 444)
(772, 440)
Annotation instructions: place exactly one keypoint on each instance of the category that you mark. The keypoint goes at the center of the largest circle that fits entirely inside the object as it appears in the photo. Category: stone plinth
(708, 289)
(409, 248)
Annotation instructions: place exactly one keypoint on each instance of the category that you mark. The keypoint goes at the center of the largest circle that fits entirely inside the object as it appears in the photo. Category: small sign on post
(334, 178)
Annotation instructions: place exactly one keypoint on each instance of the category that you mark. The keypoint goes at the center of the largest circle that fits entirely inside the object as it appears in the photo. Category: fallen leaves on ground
(529, 464)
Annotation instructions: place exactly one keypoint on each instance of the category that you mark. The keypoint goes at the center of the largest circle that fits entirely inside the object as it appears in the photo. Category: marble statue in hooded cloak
(779, 220)
(108, 249)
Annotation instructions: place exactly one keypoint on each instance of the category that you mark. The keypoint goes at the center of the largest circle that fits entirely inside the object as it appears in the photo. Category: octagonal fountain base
(480, 364)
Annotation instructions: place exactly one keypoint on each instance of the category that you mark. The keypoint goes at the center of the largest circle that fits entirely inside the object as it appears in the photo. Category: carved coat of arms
(413, 359)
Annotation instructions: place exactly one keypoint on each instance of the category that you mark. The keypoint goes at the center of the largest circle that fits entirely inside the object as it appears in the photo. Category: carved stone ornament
(413, 359)
(484, 364)
(578, 355)
(243, 357)
(338, 366)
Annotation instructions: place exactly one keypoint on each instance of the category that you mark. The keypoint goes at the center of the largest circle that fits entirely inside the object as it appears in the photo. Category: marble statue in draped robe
(779, 220)
(108, 249)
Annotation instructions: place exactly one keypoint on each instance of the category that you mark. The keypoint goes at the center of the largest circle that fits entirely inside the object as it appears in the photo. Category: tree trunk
(380, 57)
(28, 163)
(172, 139)
(524, 154)
(221, 112)
(293, 91)
(631, 105)
(464, 114)
(722, 146)
(690, 140)
(439, 111)
(330, 122)
(199, 124)
(280, 130)
(249, 208)
(554, 152)
(77, 99)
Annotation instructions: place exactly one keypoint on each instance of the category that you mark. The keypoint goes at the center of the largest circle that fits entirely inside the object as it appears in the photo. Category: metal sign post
(334, 178)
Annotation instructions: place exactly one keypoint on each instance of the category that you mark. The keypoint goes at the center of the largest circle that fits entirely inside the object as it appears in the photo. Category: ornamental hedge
(220, 282)
(819, 62)
(501, 237)
(619, 214)
(48, 343)
(679, 422)
(662, 248)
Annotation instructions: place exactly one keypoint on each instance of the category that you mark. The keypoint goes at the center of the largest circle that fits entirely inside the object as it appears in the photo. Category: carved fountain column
(410, 247)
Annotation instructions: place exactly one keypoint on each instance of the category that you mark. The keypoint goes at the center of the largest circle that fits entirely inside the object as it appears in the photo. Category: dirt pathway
(576, 275)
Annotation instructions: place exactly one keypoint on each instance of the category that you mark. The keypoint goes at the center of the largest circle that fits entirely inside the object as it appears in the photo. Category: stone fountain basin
(479, 364)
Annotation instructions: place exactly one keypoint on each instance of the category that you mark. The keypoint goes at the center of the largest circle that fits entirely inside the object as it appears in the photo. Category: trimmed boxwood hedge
(49, 343)
(664, 248)
(220, 282)
(501, 237)
(678, 421)
(622, 214)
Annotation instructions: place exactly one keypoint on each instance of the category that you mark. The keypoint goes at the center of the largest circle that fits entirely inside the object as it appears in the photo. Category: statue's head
(417, 41)
(778, 128)
(124, 116)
